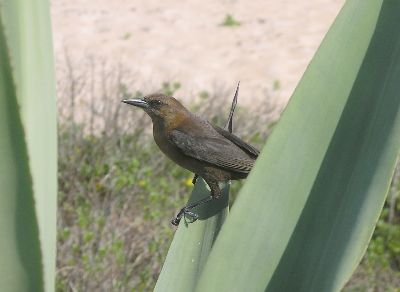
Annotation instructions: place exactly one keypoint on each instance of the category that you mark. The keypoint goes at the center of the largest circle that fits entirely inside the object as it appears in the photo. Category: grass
(126, 36)
(117, 192)
(230, 21)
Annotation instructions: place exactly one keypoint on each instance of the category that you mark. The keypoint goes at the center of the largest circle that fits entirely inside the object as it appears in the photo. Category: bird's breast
(172, 151)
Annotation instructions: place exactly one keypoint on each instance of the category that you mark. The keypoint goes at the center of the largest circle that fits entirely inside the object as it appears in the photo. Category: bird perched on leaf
(208, 151)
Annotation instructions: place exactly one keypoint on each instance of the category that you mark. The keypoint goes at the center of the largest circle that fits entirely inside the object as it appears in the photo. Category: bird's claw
(186, 213)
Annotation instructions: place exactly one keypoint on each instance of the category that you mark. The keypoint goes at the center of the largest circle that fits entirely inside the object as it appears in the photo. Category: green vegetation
(380, 267)
(230, 21)
(28, 157)
(17, 197)
(127, 36)
(303, 218)
(318, 187)
(305, 215)
(276, 85)
(118, 194)
(170, 88)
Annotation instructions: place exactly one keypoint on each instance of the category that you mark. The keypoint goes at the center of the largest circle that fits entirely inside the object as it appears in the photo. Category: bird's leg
(195, 178)
(186, 211)
(215, 194)
(215, 190)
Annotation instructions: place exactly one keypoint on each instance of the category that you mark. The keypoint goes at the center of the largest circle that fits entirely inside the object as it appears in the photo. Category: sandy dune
(183, 41)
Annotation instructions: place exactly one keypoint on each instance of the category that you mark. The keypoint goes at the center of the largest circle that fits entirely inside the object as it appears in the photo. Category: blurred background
(116, 198)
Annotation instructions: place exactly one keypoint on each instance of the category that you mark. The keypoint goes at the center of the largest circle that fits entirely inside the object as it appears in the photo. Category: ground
(265, 44)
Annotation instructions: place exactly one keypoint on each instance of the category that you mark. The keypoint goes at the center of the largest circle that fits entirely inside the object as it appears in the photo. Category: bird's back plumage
(252, 151)
(215, 146)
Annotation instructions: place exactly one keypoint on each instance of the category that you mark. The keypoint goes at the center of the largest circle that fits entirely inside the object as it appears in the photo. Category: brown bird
(208, 151)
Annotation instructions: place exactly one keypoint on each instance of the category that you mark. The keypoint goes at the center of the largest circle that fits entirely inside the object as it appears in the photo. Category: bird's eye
(156, 102)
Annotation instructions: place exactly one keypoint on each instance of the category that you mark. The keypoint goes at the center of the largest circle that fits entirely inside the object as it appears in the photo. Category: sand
(184, 41)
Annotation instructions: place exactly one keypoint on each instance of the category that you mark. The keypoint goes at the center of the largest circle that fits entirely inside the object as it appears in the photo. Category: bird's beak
(136, 102)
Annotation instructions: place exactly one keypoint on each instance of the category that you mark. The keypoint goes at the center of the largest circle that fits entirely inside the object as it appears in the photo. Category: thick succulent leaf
(28, 32)
(193, 242)
(307, 211)
(20, 256)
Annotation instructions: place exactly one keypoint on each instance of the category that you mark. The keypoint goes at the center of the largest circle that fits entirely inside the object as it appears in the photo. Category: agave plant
(28, 158)
(307, 211)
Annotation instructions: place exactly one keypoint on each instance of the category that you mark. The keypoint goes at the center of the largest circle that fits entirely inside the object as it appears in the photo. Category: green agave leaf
(306, 213)
(28, 32)
(20, 257)
(193, 242)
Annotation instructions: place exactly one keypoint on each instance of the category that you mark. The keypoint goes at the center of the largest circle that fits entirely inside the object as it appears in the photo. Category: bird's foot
(186, 213)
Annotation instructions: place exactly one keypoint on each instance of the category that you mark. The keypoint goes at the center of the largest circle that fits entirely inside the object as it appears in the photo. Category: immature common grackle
(193, 143)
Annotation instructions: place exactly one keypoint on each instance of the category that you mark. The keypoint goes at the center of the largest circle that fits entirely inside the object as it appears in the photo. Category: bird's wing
(214, 150)
(252, 151)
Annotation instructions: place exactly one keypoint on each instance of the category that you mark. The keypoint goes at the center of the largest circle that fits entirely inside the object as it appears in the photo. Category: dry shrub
(117, 192)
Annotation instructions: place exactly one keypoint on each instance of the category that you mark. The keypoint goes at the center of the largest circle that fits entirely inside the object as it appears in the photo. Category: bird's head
(160, 107)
